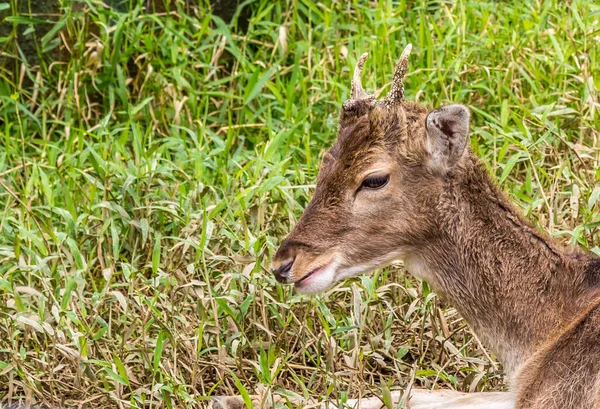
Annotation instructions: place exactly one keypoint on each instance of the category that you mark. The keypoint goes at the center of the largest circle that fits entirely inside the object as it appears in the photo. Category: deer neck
(513, 285)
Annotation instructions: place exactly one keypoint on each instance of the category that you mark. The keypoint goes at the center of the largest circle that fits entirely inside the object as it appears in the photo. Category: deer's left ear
(447, 131)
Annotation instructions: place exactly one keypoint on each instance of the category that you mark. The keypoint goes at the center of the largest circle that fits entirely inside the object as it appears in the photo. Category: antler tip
(396, 93)
(356, 91)
(361, 61)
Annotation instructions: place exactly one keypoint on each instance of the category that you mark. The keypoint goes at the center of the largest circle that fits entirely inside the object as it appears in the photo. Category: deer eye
(375, 182)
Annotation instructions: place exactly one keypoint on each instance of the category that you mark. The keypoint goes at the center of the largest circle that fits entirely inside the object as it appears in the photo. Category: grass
(152, 158)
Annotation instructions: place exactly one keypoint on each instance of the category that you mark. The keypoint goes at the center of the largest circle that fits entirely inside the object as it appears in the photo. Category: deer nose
(282, 272)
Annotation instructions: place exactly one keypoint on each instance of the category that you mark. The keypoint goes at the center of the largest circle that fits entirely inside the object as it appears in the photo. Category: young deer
(401, 183)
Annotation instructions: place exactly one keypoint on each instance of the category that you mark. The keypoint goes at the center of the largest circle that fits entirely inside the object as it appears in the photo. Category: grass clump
(153, 156)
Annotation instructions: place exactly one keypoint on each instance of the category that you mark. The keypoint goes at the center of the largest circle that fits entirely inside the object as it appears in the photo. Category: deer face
(377, 187)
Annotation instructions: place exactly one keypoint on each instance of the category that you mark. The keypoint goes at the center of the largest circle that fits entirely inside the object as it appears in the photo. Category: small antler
(396, 94)
(357, 93)
(356, 90)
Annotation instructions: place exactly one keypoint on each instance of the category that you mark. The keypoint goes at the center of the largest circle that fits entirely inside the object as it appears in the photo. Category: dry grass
(151, 162)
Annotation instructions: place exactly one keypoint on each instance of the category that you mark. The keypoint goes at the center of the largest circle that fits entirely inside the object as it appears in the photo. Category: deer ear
(447, 130)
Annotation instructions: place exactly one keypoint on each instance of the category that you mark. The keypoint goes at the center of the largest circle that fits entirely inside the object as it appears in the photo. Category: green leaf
(52, 33)
(560, 56)
(593, 197)
(259, 84)
(77, 256)
(242, 390)
(156, 253)
(158, 349)
(141, 105)
(270, 184)
(275, 144)
(145, 228)
(17, 246)
(67, 294)
(402, 351)
(386, 396)
(225, 307)
(426, 372)
(244, 306)
(264, 366)
(115, 376)
(509, 166)
(25, 20)
(504, 113)
(4, 6)
(121, 369)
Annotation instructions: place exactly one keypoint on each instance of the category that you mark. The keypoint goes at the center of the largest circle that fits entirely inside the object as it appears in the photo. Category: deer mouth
(317, 279)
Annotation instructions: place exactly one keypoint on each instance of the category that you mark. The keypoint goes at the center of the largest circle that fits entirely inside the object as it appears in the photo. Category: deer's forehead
(360, 137)
(368, 139)
(359, 160)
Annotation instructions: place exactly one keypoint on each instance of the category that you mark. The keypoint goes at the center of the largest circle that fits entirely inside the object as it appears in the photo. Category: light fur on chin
(321, 281)
(332, 273)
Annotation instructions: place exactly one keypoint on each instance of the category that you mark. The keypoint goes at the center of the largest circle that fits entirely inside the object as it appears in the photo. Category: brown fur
(535, 303)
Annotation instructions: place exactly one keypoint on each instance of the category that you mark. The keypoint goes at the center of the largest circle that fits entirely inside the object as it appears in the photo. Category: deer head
(377, 188)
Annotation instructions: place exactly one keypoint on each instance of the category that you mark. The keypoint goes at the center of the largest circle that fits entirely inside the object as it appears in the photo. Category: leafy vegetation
(152, 158)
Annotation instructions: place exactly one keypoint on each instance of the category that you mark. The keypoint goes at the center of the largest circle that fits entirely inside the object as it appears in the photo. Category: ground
(152, 158)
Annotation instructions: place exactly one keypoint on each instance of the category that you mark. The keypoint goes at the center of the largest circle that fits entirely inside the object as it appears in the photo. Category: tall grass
(152, 158)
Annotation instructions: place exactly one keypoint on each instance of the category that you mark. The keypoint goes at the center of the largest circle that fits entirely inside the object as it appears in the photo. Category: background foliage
(152, 158)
